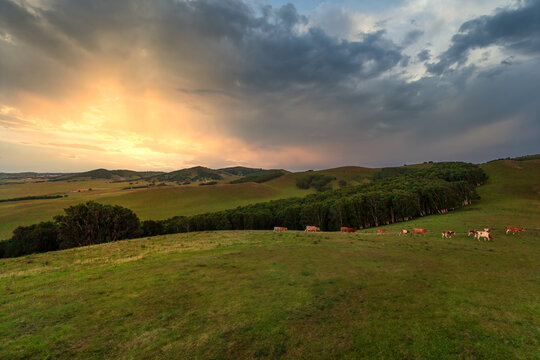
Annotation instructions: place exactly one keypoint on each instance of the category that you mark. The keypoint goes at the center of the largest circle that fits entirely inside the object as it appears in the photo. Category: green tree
(94, 223)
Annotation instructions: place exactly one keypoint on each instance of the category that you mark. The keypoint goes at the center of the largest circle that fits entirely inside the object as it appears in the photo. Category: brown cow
(279, 229)
(381, 231)
(448, 234)
(404, 232)
(312, 228)
(347, 229)
(471, 232)
(514, 229)
(419, 231)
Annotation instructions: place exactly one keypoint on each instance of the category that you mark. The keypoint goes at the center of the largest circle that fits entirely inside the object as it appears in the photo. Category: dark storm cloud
(22, 24)
(279, 82)
(515, 29)
(225, 38)
(276, 59)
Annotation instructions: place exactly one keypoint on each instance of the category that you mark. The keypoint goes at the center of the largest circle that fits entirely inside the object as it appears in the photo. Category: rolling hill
(243, 171)
(197, 173)
(155, 202)
(108, 175)
(258, 294)
(28, 175)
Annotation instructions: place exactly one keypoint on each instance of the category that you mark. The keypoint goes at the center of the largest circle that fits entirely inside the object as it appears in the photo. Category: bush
(94, 223)
(31, 239)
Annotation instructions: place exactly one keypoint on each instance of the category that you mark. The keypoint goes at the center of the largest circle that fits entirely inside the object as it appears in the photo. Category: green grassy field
(151, 203)
(256, 294)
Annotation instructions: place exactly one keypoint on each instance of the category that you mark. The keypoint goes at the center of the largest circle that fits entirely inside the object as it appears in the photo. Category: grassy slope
(511, 197)
(152, 203)
(258, 294)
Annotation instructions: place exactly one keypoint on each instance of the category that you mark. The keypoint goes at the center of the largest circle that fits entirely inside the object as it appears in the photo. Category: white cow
(483, 234)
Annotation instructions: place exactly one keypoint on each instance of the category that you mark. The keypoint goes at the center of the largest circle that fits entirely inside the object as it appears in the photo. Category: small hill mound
(108, 175)
(197, 173)
(243, 171)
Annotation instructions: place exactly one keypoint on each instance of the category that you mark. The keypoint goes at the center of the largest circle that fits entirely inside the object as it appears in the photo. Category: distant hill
(28, 175)
(243, 171)
(108, 174)
(520, 158)
(197, 173)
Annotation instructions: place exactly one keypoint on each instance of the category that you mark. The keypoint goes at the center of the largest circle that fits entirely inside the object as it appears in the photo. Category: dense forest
(394, 196)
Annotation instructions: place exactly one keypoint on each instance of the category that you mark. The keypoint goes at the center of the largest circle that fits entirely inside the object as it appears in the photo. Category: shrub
(31, 239)
(94, 223)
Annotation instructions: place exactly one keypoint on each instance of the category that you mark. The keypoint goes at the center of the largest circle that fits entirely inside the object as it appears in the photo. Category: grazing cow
(448, 234)
(312, 228)
(514, 229)
(483, 234)
(404, 232)
(419, 231)
(381, 231)
(471, 232)
(279, 229)
(347, 229)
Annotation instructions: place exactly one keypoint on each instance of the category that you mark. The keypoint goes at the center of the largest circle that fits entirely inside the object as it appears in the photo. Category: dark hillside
(197, 173)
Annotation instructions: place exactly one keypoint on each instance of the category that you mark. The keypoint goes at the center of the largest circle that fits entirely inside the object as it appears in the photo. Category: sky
(170, 84)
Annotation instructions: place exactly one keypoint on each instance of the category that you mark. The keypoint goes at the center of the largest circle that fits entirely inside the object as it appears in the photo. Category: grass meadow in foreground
(257, 294)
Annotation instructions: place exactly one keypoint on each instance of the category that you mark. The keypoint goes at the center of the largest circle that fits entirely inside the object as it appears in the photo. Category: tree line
(437, 189)
(34, 197)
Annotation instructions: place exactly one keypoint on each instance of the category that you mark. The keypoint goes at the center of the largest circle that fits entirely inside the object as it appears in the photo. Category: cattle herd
(484, 234)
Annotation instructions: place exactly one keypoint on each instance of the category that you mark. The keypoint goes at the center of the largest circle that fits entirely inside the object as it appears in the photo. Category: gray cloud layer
(517, 29)
(291, 84)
